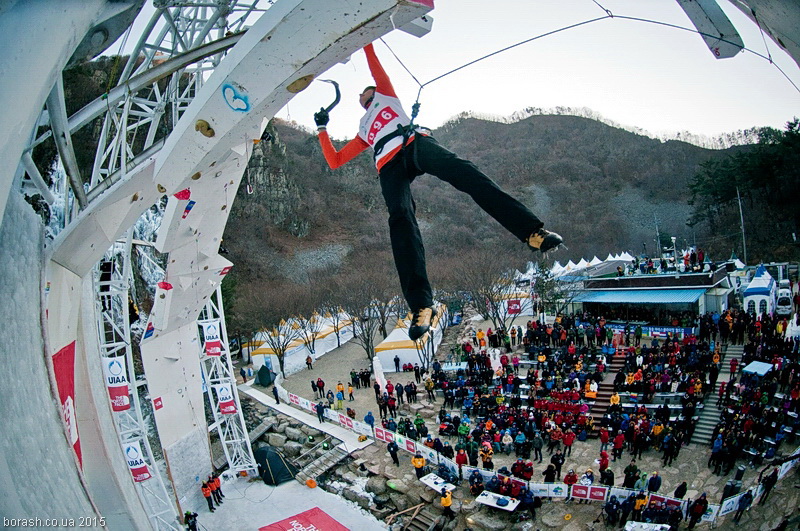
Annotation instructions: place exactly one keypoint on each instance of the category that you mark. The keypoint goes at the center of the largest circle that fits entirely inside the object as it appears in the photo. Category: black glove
(321, 118)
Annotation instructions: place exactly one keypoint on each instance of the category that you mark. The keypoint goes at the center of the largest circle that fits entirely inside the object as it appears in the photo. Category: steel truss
(231, 428)
(181, 45)
(112, 278)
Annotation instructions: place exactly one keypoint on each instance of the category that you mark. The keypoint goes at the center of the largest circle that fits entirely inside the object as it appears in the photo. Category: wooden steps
(322, 464)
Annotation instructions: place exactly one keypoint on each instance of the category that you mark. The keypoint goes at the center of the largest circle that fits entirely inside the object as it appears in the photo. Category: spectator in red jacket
(570, 479)
(568, 439)
(619, 443)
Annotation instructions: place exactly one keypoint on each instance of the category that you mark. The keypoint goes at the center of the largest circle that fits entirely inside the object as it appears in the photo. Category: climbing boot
(421, 323)
(544, 240)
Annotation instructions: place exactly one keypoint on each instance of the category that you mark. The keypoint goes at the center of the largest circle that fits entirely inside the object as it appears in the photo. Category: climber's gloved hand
(321, 118)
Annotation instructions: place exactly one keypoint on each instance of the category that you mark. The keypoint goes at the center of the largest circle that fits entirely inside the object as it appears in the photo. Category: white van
(784, 305)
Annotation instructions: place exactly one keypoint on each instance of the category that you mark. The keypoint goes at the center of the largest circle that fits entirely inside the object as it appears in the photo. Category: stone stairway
(606, 389)
(322, 464)
(710, 415)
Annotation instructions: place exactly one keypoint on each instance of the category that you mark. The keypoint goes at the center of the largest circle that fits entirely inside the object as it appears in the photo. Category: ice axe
(330, 107)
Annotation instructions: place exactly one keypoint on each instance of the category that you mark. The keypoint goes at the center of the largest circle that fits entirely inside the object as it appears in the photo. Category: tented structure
(273, 467)
(761, 294)
(297, 351)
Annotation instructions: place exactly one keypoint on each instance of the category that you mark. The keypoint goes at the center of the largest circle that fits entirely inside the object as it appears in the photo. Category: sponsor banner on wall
(380, 434)
(345, 421)
(116, 376)
(305, 404)
(331, 415)
(711, 513)
(294, 399)
(556, 490)
(621, 493)
(730, 504)
(225, 401)
(311, 520)
(212, 341)
(669, 502)
(135, 459)
(539, 489)
(598, 493)
(64, 369)
(580, 492)
(514, 306)
(430, 455)
(362, 428)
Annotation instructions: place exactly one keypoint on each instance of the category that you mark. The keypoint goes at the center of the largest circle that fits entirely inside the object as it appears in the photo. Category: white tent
(557, 269)
(760, 296)
(582, 264)
(626, 256)
(570, 266)
(609, 258)
(295, 357)
(595, 261)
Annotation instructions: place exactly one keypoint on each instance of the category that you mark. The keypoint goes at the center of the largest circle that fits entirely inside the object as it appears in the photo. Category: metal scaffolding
(218, 371)
(112, 280)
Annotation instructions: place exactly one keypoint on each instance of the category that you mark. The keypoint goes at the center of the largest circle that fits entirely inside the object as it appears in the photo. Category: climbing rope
(609, 15)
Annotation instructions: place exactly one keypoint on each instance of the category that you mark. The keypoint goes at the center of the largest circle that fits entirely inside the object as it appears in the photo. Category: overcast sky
(639, 75)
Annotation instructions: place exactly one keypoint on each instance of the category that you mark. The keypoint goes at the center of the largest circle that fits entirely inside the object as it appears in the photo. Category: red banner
(344, 420)
(380, 434)
(117, 383)
(133, 455)
(580, 491)
(212, 338)
(311, 520)
(227, 405)
(514, 306)
(670, 502)
(64, 368)
(598, 493)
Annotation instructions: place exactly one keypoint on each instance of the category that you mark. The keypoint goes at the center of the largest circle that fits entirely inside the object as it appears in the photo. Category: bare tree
(269, 307)
(362, 291)
(555, 293)
(488, 282)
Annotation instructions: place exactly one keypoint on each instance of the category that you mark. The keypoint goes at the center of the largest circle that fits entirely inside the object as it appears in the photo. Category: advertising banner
(380, 434)
(669, 502)
(134, 457)
(345, 421)
(64, 369)
(598, 493)
(305, 404)
(211, 335)
(730, 504)
(514, 306)
(621, 493)
(430, 455)
(116, 376)
(362, 428)
(711, 513)
(541, 490)
(580, 492)
(556, 490)
(225, 401)
(310, 520)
